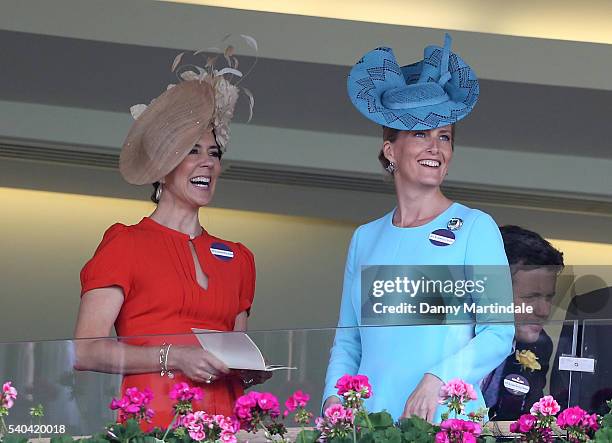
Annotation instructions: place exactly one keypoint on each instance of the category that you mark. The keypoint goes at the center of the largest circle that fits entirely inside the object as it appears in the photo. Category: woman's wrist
(173, 360)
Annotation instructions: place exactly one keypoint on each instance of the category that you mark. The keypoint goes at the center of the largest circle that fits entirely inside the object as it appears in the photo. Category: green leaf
(380, 437)
(405, 424)
(607, 421)
(132, 429)
(95, 439)
(416, 430)
(366, 436)
(360, 421)
(381, 419)
(414, 422)
(157, 433)
(62, 439)
(307, 436)
(14, 438)
(389, 435)
(604, 435)
(416, 436)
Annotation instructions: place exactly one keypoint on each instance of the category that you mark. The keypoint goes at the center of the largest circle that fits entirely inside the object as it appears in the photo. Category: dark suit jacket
(510, 406)
(594, 340)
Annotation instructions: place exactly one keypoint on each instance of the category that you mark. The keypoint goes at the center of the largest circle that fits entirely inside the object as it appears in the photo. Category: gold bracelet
(163, 360)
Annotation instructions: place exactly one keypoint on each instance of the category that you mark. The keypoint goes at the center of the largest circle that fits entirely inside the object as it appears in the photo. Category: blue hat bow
(437, 91)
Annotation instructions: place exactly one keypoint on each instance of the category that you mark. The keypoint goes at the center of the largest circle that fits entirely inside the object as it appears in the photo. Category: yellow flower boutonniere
(528, 360)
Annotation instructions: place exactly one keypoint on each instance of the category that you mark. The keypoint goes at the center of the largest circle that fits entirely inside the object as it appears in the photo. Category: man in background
(519, 381)
(590, 391)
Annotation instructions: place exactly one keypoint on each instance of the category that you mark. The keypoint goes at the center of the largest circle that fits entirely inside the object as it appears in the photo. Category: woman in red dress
(166, 274)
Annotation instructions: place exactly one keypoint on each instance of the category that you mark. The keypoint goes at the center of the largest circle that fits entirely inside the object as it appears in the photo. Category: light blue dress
(395, 358)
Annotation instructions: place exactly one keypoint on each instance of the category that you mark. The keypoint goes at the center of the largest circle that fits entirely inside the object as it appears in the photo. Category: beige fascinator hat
(166, 130)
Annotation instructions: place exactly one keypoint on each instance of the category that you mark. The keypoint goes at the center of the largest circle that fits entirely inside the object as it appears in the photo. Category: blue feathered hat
(437, 91)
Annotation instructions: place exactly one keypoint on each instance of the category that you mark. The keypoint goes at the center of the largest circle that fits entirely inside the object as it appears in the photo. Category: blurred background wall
(303, 173)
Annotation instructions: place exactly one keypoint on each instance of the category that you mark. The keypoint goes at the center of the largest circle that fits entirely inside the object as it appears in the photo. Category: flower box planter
(346, 422)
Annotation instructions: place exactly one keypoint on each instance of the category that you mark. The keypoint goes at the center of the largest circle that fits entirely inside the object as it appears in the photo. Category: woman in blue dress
(418, 105)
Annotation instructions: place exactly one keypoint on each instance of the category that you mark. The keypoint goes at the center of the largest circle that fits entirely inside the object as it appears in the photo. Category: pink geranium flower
(9, 395)
(228, 437)
(459, 389)
(133, 404)
(337, 422)
(139, 397)
(354, 389)
(196, 424)
(547, 405)
(184, 392)
(119, 403)
(536, 426)
(590, 422)
(247, 401)
(228, 424)
(458, 425)
(455, 394)
(297, 403)
(472, 427)
(577, 417)
(252, 408)
(269, 403)
(297, 400)
(245, 404)
(457, 430)
(452, 424)
(442, 437)
(202, 426)
(578, 424)
(338, 413)
(571, 417)
(358, 384)
(526, 422)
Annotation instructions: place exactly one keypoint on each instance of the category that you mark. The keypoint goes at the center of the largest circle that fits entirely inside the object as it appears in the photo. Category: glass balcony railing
(76, 380)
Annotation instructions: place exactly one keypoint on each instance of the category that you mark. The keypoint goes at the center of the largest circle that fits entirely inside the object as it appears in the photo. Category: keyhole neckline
(148, 221)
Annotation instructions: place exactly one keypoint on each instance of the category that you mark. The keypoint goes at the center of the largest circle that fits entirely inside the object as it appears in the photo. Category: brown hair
(391, 134)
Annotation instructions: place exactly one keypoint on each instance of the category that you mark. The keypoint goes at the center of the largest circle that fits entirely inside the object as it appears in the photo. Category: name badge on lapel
(516, 384)
(442, 237)
(222, 251)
